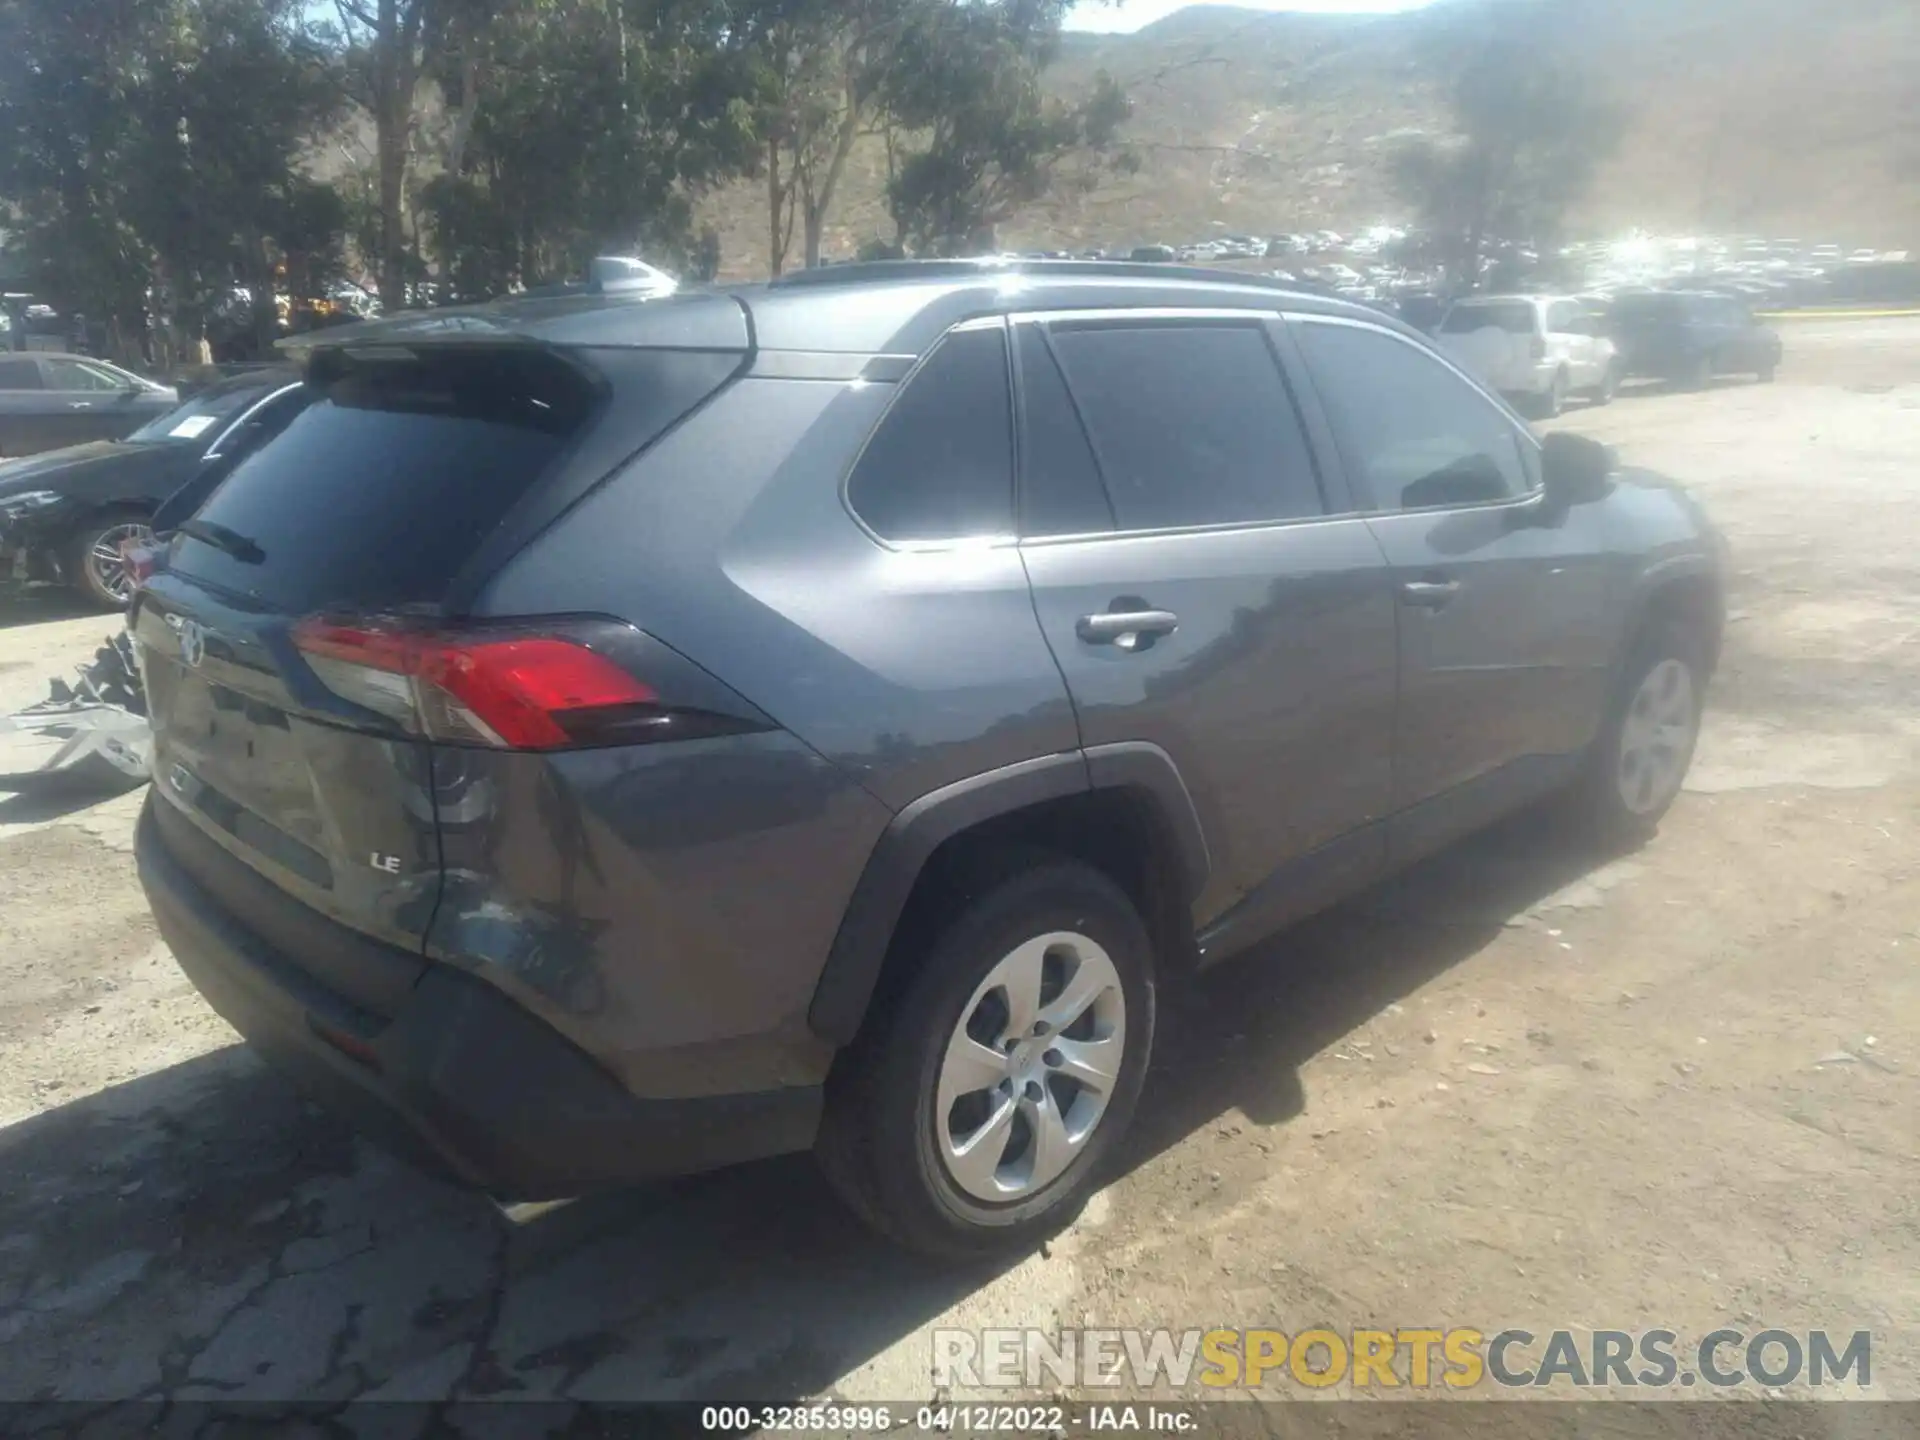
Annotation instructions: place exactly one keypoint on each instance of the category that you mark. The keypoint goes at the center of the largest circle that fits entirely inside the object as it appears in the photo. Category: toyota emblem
(193, 642)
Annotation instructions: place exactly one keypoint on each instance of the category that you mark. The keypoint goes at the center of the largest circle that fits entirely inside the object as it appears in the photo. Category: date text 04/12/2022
(947, 1418)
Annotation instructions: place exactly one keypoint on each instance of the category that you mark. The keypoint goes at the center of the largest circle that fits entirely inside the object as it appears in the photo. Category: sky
(1133, 14)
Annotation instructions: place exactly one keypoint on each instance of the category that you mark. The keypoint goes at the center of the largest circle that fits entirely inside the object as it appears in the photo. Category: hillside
(1777, 117)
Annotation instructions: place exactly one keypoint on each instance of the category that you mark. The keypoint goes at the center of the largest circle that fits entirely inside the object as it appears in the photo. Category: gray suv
(604, 738)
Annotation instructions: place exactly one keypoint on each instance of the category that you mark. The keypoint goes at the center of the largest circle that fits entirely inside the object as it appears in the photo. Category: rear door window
(940, 465)
(377, 493)
(1191, 422)
(20, 375)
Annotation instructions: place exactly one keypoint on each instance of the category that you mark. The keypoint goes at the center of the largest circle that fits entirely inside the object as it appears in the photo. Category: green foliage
(1533, 129)
(150, 145)
(599, 121)
(992, 142)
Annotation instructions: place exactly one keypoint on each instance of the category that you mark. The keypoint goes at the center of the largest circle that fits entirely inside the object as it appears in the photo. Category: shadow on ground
(36, 604)
(202, 1234)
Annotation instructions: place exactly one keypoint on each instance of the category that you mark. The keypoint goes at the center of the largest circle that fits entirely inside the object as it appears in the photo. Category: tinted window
(1410, 430)
(379, 491)
(200, 418)
(1060, 489)
(72, 375)
(940, 467)
(1513, 316)
(1646, 309)
(1564, 317)
(19, 375)
(1191, 424)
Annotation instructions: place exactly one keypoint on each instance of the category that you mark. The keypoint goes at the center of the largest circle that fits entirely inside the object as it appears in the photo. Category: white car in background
(1537, 350)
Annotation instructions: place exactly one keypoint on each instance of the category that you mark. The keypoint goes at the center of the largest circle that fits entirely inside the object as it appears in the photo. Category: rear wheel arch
(1122, 809)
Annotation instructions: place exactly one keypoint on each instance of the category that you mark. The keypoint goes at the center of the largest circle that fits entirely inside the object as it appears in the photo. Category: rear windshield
(1513, 316)
(379, 491)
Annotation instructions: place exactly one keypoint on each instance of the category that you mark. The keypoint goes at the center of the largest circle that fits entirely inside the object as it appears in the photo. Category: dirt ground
(1520, 1087)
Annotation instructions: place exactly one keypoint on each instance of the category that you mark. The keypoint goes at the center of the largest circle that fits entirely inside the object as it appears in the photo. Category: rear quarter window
(940, 465)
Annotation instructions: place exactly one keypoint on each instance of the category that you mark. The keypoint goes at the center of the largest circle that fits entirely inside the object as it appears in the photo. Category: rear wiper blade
(247, 552)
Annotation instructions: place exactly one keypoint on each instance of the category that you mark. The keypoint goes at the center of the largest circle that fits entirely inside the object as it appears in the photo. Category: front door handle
(1429, 594)
(1126, 629)
(80, 404)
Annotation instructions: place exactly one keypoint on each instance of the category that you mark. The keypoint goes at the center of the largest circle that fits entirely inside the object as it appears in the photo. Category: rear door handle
(1429, 594)
(1126, 629)
(79, 404)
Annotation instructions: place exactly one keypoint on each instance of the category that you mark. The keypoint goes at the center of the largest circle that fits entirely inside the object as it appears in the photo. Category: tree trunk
(462, 129)
(778, 234)
(818, 202)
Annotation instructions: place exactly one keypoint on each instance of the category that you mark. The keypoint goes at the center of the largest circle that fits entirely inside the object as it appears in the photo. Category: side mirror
(1574, 469)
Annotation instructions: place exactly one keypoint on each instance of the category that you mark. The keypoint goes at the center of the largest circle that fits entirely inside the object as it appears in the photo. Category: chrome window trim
(212, 452)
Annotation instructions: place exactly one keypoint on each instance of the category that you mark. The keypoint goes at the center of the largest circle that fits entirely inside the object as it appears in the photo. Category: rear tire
(1555, 400)
(1698, 374)
(1608, 387)
(1766, 373)
(945, 1140)
(1639, 762)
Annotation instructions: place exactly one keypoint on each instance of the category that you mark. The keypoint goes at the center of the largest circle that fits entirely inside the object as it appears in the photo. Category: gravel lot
(1518, 1087)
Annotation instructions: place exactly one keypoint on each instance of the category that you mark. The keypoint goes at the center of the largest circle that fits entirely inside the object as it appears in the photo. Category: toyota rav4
(603, 738)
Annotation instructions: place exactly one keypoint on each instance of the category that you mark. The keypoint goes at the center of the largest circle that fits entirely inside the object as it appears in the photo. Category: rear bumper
(460, 1080)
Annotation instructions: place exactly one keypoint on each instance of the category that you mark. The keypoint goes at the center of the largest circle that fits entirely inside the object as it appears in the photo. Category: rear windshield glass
(1515, 317)
(377, 494)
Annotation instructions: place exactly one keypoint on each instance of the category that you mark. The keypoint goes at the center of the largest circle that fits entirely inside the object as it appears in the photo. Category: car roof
(894, 307)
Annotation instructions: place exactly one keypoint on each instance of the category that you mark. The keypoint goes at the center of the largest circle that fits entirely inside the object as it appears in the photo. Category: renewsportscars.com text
(1457, 1358)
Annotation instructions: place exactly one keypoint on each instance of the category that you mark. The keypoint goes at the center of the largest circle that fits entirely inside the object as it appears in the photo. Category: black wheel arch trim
(1660, 579)
(880, 896)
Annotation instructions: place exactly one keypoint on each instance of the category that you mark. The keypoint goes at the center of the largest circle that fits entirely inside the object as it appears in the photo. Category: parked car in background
(67, 515)
(1689, 337)
(1537, 350)
(49, 400)
(890, 868)
(1153, 254)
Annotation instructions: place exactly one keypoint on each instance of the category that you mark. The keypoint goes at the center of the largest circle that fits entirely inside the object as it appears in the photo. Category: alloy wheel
(1656, 741)
(107, 565)
(1030, 1067)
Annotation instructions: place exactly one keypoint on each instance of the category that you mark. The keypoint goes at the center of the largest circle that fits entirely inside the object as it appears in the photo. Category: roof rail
(880, 272)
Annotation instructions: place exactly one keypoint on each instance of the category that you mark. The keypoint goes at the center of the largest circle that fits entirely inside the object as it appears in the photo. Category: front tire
(93, 563)
(1699, 374)
(973, 1113)
(1639, 763)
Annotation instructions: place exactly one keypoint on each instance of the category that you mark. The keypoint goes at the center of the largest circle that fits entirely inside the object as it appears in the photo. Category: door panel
(1260, 656)
(1273, 694)
(1501, 602)
(1508, 662)
(82, 404)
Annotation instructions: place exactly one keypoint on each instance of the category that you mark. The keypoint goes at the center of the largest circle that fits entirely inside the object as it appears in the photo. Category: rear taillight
(513, 690)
